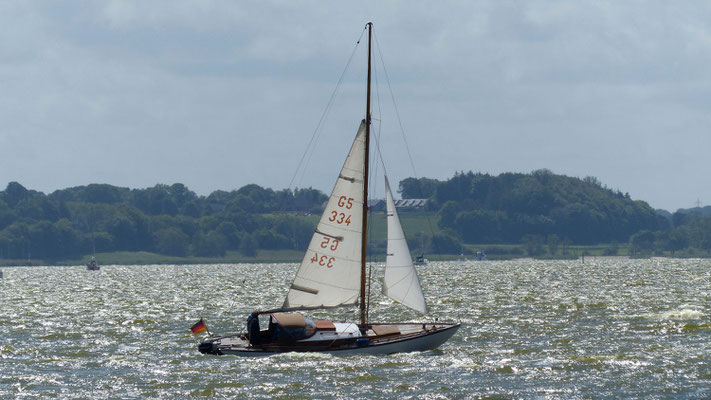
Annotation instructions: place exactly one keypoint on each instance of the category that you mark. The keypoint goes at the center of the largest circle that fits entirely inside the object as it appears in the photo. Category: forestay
(401, 283)
(329, 275)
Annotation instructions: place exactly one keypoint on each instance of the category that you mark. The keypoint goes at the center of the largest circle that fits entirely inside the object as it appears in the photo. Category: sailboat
(92, 265)
(421, 260)
(333, 274)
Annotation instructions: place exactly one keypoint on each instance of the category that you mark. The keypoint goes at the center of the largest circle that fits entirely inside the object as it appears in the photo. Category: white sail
(329, 275)
(401, 283)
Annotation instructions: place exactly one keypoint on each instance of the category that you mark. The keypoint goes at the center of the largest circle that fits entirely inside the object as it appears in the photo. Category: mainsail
(401, 283)
(329, 275)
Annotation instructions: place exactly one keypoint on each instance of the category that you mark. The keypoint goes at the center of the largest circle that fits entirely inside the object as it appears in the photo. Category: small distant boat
(421, 260)
(92, 265)
(480, 256)
(333, 274)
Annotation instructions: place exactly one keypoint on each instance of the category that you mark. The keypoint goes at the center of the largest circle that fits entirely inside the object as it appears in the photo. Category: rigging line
(397, 112)
(380, 122)
(373, 181)
(319, 125)
(317, 132)
(402, 131)
(378, 134)
(372, 191)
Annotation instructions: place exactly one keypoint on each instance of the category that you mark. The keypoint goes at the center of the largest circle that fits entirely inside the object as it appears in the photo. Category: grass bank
(493, 252)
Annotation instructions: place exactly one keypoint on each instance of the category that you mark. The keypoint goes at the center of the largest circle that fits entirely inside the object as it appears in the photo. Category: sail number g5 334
(341, 217)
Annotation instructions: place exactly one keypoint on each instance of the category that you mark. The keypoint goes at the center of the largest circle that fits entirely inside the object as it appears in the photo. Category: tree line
(539, 211)
(542, 209)
(166, 219)
(691, 236)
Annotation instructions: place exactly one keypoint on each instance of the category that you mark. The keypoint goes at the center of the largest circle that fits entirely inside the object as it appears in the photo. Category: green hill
(481, 208)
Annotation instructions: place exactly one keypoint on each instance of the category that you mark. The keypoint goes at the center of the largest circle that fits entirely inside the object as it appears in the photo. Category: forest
(511, 208)
(544, 208)
(166, 219)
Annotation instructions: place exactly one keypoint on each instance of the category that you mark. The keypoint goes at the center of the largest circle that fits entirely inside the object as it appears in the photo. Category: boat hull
(420, 340)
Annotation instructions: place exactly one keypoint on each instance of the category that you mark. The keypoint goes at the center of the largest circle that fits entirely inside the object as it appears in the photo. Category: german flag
(199, 327)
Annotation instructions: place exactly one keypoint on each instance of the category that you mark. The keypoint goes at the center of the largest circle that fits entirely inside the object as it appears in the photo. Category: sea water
(605, 328)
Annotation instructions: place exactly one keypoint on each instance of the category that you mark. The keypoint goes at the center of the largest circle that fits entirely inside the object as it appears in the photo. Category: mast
(364, 237)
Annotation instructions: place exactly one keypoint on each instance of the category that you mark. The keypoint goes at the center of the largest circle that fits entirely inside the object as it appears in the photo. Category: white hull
(421, 340)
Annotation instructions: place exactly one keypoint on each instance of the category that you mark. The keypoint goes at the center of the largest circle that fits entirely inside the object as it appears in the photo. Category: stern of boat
(220, 345)
(208, 346)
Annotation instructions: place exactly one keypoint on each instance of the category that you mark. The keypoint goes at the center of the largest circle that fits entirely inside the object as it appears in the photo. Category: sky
(220, 94)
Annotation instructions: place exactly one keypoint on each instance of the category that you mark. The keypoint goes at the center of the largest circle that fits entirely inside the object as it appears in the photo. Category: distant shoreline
(285, 257)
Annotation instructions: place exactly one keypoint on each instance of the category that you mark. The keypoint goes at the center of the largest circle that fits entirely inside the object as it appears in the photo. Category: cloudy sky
(219, 94)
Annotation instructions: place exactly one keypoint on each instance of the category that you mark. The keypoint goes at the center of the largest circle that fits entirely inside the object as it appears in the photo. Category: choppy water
(532, 329)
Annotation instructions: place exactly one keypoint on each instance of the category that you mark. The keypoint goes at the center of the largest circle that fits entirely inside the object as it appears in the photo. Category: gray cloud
(219, 94)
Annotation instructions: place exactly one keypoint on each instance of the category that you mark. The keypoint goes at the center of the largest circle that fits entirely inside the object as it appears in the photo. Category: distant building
(402, 204)
(411, 204)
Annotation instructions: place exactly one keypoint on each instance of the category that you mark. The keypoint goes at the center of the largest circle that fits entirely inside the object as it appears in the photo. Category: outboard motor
(208, 347)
